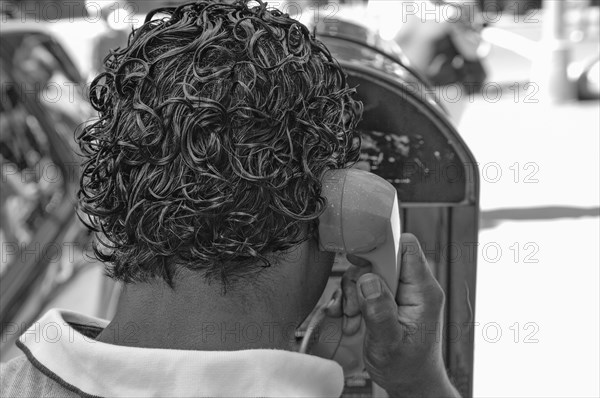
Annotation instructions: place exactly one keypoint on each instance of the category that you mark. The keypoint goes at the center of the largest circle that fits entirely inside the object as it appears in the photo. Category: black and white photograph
(300, 198)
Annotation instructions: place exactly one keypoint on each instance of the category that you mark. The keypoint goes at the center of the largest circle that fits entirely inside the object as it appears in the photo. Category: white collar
(89, 367)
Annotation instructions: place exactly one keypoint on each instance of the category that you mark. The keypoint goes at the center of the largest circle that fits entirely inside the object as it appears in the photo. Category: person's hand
(403, 340)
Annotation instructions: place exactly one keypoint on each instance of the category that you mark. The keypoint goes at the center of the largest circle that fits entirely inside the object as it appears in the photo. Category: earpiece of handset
(362, 218)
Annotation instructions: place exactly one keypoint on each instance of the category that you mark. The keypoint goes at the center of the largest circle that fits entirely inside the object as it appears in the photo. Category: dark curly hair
(216, 124)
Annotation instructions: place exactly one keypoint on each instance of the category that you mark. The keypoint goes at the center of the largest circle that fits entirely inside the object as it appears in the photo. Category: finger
(379, 311)
(415, 269)
(416, 278)
(351, 325)
(350, 305)
(419, 289)
(358, 261)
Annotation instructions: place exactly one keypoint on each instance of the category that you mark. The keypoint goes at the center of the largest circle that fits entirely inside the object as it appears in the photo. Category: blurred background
(507, 88)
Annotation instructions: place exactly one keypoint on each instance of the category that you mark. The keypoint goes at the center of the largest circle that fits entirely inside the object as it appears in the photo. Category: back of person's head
(216, 124)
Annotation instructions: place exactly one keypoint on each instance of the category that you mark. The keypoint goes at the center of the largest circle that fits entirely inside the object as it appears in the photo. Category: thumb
(379, 310)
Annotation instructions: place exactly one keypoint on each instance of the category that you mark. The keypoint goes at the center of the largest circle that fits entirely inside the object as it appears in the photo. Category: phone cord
(314, 323)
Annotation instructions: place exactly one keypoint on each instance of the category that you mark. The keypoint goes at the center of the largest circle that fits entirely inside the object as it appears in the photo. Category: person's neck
(198, 316)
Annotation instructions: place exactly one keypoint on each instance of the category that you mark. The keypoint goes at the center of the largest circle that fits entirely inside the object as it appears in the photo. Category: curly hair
(216, 124)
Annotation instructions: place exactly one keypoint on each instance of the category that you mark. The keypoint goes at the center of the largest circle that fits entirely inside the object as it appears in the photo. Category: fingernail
(370, 287)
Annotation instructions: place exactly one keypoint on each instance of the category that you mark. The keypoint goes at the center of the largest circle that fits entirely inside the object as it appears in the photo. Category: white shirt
(61, 346)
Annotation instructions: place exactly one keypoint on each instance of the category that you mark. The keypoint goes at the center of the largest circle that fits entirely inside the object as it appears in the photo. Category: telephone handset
(361, 218)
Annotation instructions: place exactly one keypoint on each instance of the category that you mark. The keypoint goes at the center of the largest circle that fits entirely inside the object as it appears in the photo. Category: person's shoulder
(19, 378)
